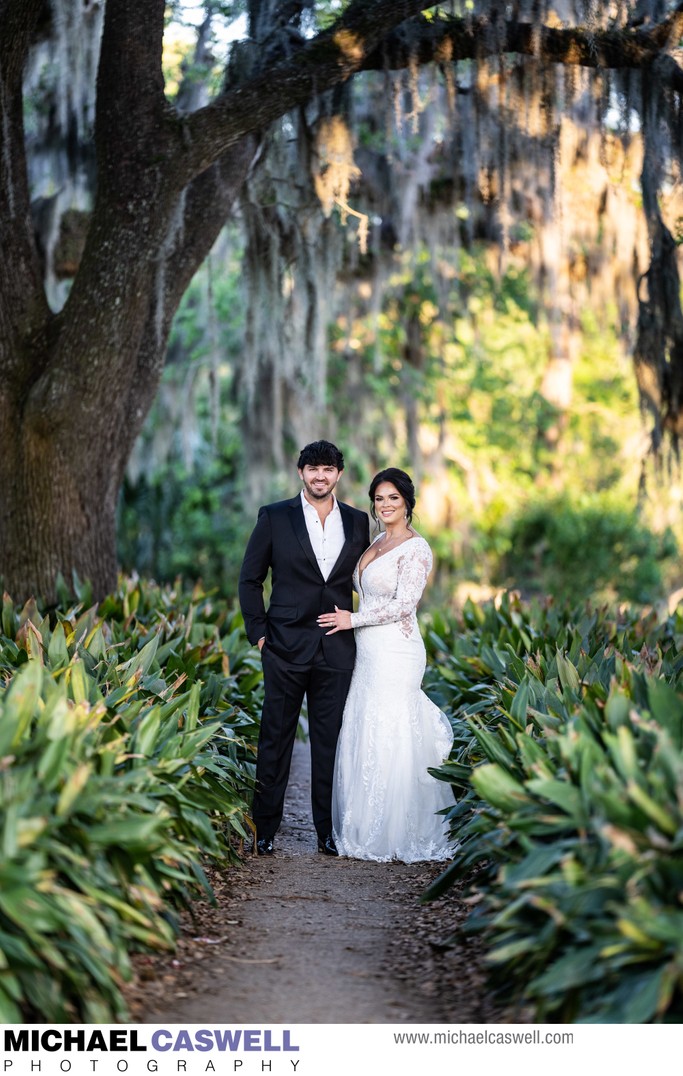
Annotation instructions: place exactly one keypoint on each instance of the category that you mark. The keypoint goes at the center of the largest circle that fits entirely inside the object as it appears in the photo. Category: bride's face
(389, 505)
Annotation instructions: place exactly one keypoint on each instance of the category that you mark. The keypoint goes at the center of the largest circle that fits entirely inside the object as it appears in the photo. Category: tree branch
(130, 89)
(331, 57)
(448, 38)
(18, 20)
(390, 34)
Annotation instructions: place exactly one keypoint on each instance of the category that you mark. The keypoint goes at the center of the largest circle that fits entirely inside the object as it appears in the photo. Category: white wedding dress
(384, 800)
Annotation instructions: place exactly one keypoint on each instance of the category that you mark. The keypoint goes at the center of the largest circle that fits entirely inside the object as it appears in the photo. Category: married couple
(361, 673)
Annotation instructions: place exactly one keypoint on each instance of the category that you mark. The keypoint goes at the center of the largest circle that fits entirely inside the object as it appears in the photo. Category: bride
(384, 800)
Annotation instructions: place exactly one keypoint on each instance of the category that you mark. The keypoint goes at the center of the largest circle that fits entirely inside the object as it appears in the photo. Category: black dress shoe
(326, 845)
(264, 846)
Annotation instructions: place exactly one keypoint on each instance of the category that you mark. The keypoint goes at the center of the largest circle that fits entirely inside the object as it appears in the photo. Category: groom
(311, 545)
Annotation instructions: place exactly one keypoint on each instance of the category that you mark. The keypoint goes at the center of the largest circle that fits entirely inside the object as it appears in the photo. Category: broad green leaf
(534, 755)
(9, 617)
(95, 643)
(57, 651)
(569, 677)
(139, 665)
(520, 703)
(492, 746)
(498, 787)
(52, 762)
(73, 787)
(19, 705)
(146, 733)
(643, 1004)
(541, 859)
(130, 832)
(78, 681)
(561, 793)
(622, 748)
(29, 829)
(617, 708)
(666, 706)
(10, 1012)
(193, 709)
(573, 969)
(659, 815)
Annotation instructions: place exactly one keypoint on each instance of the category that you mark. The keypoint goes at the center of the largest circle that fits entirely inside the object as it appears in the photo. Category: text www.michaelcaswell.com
(459, 1037)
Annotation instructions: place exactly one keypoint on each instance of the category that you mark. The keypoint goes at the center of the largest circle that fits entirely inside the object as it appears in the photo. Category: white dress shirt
(327, 540)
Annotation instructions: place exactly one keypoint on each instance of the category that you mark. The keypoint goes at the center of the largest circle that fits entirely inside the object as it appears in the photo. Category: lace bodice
(391, 586)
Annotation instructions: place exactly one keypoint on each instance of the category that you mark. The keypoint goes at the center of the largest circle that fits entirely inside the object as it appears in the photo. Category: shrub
(591, 546)
(568, 764)
(126, 749)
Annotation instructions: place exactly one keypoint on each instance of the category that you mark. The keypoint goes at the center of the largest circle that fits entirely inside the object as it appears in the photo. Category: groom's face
(319, 480)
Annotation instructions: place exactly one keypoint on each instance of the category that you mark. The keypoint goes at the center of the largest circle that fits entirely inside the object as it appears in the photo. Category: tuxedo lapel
(348, 547)
(347, 522)
(301, 531)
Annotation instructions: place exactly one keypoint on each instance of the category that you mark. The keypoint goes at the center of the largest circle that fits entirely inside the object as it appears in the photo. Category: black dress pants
(286, 684)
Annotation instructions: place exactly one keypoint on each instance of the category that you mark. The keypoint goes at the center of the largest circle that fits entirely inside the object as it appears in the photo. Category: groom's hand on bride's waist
(339, 620)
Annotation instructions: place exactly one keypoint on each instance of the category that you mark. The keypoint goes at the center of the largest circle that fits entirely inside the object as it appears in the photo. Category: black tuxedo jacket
(280, 542)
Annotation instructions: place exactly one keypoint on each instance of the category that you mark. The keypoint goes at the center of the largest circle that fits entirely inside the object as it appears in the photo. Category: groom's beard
(320, 494)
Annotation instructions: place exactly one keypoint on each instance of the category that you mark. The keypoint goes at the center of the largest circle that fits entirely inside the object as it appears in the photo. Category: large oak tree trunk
(57, 513)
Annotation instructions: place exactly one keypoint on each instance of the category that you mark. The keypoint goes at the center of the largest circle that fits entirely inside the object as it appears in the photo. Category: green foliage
(444, 379)
(180, 40)
(567, 763)
(178, 512)
(498, 505)
(591, 545)
(182, 522)
(126, 761)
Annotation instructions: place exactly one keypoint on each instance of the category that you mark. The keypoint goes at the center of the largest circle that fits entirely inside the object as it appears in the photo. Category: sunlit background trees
(481, 336)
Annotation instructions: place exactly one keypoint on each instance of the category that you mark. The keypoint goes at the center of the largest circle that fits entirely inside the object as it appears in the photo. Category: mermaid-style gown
(384, 800)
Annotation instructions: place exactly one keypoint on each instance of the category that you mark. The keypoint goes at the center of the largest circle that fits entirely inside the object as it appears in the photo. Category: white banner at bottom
(330, 1049)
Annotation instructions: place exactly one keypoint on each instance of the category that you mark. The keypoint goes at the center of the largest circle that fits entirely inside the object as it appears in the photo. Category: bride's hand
(339, 620)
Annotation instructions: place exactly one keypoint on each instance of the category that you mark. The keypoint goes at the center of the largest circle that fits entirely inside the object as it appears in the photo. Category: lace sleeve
(414, 567)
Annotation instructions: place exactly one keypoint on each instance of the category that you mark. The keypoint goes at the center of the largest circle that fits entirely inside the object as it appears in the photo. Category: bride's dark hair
(403, 483)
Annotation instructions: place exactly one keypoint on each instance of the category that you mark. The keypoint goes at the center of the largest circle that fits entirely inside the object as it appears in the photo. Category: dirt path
(305, 938)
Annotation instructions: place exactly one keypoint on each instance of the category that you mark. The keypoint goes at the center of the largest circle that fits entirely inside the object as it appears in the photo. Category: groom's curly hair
(320, 453)
(403, 483)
